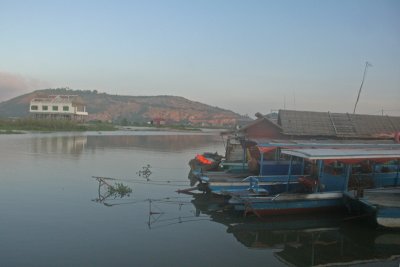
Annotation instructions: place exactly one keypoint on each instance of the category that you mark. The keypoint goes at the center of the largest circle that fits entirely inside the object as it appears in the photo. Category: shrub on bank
(29, 124)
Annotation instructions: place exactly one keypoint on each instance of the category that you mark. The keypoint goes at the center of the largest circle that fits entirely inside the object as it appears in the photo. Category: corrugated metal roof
(321, 142)
(312, 145)
(310, 123)
(326, 153)
(305, 123)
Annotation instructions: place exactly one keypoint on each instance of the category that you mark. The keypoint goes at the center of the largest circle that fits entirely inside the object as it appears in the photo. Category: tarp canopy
(344, 155)
(356, 161)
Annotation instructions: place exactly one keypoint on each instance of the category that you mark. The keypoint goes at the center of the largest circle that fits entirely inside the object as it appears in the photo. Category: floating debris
(145, 172)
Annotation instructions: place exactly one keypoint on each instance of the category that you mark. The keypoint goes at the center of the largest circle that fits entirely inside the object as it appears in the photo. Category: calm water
(54, 213)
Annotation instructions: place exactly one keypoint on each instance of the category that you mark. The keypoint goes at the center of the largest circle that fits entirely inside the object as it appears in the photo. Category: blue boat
(273, 168)
(332, 172)
(256, 185)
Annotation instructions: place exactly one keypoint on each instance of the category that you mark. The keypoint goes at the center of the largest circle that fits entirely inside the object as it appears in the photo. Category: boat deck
(226, 177)
(386, 197)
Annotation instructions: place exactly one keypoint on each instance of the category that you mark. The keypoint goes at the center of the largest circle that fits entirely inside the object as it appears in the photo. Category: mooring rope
(145, 181)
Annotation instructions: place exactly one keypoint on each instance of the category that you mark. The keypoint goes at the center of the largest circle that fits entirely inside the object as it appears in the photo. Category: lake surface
(54, 213)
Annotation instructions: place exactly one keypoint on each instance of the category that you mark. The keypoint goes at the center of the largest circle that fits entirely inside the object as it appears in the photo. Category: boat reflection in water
(306, 240)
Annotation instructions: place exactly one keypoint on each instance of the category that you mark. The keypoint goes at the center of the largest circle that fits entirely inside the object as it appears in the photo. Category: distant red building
(158, 121)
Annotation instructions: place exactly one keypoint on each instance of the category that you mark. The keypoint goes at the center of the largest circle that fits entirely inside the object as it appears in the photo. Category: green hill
(131, 109)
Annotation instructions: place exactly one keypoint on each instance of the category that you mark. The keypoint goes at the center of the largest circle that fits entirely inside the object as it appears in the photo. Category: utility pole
(284, 102)
(367, 64)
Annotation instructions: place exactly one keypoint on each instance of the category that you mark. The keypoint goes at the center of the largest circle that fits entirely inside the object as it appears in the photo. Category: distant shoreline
(116, 129)
(12, 132)
(19, 126)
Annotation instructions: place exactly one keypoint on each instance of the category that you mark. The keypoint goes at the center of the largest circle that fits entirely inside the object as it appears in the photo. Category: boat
(262, 169)
(269, 169)
(330, 173)
(205, 162)
(257, 185)
(381, 206)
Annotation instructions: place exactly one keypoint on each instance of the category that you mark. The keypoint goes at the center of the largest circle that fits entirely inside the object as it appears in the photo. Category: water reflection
(305, 240)
(47, 211)
(73, 145)
(346, 245)
(159, 218)
(162, 212)
(302, 240)
(165, 143)
(77, 144)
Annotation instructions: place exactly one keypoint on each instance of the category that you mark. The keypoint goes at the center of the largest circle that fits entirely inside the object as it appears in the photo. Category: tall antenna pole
(294, 99)
(367, 64)
(284, 102)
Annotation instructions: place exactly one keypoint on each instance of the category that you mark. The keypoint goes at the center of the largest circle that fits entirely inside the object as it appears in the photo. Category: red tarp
(266, 149)
(203, 160)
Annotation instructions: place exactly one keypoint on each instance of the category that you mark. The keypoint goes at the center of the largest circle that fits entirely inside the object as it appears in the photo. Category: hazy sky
(246, 56)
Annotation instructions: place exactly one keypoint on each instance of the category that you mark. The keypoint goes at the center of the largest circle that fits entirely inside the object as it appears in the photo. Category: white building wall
(54, 107)
(60, 108)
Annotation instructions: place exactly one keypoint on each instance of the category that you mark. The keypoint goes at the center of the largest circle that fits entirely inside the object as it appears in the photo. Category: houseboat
(270, 168)
(329, 173)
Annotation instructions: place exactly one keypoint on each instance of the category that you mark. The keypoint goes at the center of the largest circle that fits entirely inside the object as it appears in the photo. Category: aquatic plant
(118, 190)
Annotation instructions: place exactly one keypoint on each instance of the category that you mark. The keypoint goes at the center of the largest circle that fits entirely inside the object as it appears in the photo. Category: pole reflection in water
(158, 218)
(111, 195)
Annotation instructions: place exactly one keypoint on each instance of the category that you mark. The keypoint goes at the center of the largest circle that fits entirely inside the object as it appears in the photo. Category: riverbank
(19, 126)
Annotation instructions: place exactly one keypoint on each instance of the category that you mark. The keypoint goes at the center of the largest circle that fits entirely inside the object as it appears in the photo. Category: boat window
(360, 181)
(362, 167)
(335, 168)
(390, 166)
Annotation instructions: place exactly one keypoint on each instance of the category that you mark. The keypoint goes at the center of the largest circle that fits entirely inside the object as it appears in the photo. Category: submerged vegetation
(28, 124)
(119, 190)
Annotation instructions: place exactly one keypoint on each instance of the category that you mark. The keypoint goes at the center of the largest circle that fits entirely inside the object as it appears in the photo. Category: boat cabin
(347, 169)
(266, 158)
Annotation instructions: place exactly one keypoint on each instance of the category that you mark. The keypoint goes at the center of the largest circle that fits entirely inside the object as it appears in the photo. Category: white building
(66, 107)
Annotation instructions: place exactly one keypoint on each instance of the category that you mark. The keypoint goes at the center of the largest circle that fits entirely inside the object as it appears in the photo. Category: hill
(131, 109)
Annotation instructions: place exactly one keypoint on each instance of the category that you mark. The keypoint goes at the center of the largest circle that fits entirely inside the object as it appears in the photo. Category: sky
(245, 56)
